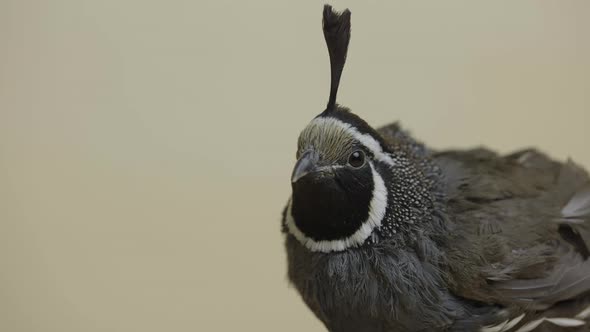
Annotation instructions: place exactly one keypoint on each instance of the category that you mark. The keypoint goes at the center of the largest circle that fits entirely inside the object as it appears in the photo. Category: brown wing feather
(522, 227)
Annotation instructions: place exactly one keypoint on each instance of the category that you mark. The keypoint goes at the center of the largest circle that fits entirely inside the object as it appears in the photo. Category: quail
(383, 233)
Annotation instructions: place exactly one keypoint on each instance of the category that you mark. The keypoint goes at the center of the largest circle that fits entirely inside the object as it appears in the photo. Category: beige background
(146, 147)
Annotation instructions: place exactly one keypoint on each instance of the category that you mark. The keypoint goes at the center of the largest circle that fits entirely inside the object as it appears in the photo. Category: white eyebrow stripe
(365, 139)
(377, 209)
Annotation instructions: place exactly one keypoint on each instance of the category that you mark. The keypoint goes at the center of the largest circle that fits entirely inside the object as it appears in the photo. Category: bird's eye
(356, 159)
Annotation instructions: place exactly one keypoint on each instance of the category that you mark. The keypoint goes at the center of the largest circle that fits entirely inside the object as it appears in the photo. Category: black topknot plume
(337, 34)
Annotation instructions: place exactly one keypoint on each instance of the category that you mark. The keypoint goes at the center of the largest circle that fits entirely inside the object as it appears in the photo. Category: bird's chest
(348, 304)
(348, 292)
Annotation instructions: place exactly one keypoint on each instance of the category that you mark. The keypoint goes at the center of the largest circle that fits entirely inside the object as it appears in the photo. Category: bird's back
(520, 234)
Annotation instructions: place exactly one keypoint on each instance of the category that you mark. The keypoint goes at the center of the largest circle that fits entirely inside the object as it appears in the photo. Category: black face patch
(333, 205)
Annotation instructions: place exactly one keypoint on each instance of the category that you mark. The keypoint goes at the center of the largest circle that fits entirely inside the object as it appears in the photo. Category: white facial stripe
(377, 209)
(365, 139)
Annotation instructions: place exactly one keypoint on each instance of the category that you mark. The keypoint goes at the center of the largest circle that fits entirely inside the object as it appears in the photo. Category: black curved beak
(306, 164)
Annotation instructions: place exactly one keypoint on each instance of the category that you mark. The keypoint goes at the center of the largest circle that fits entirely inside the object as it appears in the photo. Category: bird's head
(348, 182)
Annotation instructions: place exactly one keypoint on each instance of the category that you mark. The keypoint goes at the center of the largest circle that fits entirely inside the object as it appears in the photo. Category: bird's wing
(521, 227)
